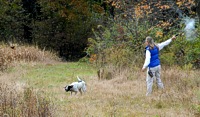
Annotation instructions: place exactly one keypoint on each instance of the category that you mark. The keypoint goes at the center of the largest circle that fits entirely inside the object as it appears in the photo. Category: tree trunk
(198, 8)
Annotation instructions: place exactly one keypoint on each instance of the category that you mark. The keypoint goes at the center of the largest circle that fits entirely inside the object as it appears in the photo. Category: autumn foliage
(133, 21)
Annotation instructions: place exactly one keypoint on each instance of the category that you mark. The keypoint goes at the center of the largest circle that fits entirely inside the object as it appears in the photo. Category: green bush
(187, 51)
(120, 44)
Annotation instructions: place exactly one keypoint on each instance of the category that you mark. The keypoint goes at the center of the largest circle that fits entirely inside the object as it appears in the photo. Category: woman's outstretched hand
(174, 37)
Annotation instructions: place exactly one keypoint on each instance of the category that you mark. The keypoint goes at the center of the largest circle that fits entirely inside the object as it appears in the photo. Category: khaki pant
(156, 75)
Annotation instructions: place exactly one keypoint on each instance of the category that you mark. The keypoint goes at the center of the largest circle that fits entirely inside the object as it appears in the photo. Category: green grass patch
(49, 76)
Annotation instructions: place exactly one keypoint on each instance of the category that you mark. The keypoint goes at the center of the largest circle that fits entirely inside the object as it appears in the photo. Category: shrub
(117, 45)
(187, 52)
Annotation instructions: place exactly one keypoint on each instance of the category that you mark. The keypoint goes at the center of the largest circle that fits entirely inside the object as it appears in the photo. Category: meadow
(36, 88)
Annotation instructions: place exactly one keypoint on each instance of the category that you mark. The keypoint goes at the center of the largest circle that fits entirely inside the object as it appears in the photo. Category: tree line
(64, 26)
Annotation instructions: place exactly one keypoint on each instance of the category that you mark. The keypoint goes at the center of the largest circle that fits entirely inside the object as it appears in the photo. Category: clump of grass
(196, 109)
(110, 72)
(24, 104)
(9, 55)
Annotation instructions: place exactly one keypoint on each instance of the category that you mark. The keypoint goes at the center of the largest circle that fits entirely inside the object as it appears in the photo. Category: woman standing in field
(152, 62)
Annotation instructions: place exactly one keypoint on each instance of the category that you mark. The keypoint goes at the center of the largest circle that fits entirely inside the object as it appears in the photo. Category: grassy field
(122, 96)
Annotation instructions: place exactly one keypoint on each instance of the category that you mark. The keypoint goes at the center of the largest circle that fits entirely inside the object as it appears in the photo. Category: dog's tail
(79, 80)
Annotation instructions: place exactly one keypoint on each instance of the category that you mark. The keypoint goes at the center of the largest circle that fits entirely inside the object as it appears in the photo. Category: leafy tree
(64, 26)
(197, 8)
(118, 42)
(32, 10)
(12, 21)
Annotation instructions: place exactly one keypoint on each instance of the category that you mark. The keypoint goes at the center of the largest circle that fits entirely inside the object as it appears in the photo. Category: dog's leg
(75, 92)
(80, 91)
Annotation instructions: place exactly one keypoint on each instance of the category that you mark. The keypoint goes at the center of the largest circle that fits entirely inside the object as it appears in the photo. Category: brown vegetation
(103, 73)
(12, 54)
(121, 95)
(28, 103)
(124, 96)
(16, 99)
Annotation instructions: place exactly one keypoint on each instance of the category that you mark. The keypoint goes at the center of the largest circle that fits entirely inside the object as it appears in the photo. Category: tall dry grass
(10, 55)
(15, 99)
(121, 96)
(182, 88)
(124, 95)
(26, 103)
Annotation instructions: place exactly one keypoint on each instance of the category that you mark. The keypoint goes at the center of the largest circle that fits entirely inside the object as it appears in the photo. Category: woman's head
(149, 41)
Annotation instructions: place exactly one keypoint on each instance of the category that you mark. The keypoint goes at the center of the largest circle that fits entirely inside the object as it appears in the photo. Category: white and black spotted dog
(76, 86)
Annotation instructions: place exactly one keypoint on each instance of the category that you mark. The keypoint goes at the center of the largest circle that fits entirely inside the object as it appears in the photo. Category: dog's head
(68, 88)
